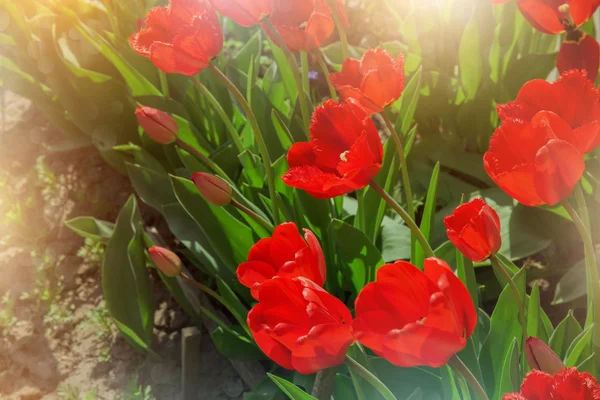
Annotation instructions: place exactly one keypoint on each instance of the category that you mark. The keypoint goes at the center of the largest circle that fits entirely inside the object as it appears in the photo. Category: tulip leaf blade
(511, 375)
(232, 343)
(580, 349)
(292, 391)
(357, 252)
(91, 228)
(564, 335)
(470, 58)
(428, 214)
(125, 281)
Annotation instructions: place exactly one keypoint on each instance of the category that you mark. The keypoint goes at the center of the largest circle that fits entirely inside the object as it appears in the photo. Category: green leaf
(449, 384)
(572, 285)
(504, 329)
(229, 237)
(234, 305)
(396, 240)
(511, 375)
(92, 228)
(470, 58)
(234, 345)
(534, 323)
(125, 281)
(407, 104)
(580, 349)
(427, 219)
(564, 335)
(152, 187)
(292, 391)
(357, 252)
(466, 273)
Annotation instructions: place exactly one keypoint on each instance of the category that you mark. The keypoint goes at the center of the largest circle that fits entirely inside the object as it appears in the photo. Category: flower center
(344, 155)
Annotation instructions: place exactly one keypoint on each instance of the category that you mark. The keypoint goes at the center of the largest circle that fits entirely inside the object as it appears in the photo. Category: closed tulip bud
(166, 261)
(159, 125)
(540, 356)
(214, 189)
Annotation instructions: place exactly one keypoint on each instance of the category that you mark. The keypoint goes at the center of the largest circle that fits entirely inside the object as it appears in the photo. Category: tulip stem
(406, 217)
(520, 304)
(385, 392)
(305, 77)
(188, 279)
(325, 69)
(340, 28)
(268, 26)
(205, 159)
(222, 114)
(261, 221)
(402, 158)
(262, 146)
(458, 366)
(593, 282)
(164, 83)
(324, 384)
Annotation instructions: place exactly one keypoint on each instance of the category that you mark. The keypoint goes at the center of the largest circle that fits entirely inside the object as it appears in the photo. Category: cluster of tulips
(408, 315)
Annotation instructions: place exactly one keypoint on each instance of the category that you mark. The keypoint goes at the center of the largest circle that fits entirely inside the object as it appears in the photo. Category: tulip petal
(272, 348)
(371, 327)
(172, 60)
(421, 345)
(583, 54)
(253, 273)
(323, 347)
(558, 168)
(455, 291)
(536, 385)
(301, 153)
(542, 15)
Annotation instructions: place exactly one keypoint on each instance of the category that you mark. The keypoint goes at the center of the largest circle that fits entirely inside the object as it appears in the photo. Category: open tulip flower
(287, 254)
(181, 38)
(546, 16)
(474, 228)
(344, 154)
(374, 82)
(415, 318)
(543, 168)
(567, 384)
(300, 326)
(244, 12)
(572, 97)
(305, 24)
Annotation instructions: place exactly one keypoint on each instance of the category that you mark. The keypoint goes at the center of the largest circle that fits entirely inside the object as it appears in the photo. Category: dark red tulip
(244, 12)
(344, 154)
(579, 51)
(547, 17)
(287, 254)
(305, 24)
(374, 82)
(567, 384)
(474, 228)
(415, 318)
(300, 326)
(535, 162)
(540, 356)
(160, 126)
(181, 38)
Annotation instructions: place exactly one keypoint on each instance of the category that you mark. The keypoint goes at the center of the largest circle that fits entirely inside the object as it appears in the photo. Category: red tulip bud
(159, 125)
(540, 356)
(214, 189)
(166, 261)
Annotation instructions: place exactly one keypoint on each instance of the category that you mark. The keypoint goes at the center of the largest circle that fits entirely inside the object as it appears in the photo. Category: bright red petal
(325, 346)
(253, 273)
(536, 385)
(582, 10)
(318, 183)
(543, 15)
(319, 28)
(559, 166)
(272, 348)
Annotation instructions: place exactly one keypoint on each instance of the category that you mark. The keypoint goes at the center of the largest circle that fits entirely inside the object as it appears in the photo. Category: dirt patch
(56, 338)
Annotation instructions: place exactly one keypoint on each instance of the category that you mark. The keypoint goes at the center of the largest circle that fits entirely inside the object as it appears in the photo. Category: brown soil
(67, 348)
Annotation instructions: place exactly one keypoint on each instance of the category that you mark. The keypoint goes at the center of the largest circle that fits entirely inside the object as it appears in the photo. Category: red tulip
(244, 12)
(300, 326)
(287, 254)
(214, 189)
(474, 228)
(567, 384)
(344, 154)
(572, 97)
(415, 318)
(540, 356)
(535, 162)
(165, 260)
(160, 126)
(545, 16)
(579, 51)
(181, 38)
(305, 24)
(374, 82)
